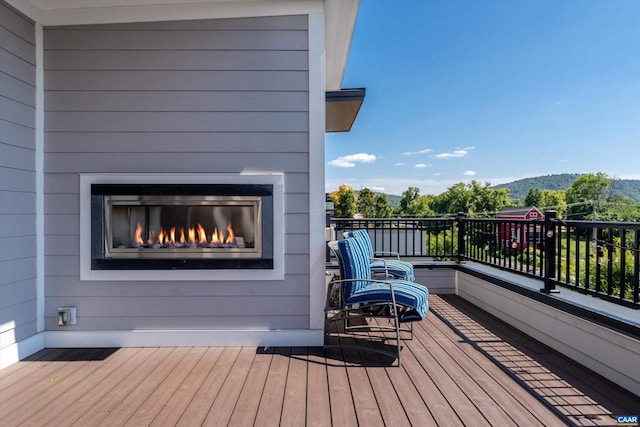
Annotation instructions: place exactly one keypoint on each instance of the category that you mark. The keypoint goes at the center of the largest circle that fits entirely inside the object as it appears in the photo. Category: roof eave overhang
(342, 107)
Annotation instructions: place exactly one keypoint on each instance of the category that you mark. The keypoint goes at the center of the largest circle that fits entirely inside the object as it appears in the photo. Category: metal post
(549, 253)
(327, 223)
(461, 236)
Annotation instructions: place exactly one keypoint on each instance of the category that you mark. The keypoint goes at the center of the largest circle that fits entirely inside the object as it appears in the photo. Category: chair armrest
(387, 253)
(386, 282)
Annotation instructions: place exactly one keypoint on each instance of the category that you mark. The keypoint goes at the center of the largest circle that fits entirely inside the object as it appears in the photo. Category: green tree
(620, 209)
(365, 203)
(408, 196)
(381, 206)
(547, 199)
(534, 198)
(472, 199)
(344, 200)
(586, 194)
(420, 207)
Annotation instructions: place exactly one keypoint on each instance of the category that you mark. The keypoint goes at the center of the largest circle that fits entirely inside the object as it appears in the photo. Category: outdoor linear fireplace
(148, 226)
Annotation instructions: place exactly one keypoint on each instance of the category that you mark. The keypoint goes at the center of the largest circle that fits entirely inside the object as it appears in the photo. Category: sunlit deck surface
(463, 367)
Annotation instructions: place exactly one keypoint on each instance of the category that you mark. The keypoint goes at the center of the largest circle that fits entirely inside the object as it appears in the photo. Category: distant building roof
(520, 212)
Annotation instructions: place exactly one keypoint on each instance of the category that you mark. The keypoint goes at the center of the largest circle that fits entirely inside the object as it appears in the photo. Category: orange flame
(138, 236)
(197, 236)
(202, 235)
(231, 237)
(214, 236)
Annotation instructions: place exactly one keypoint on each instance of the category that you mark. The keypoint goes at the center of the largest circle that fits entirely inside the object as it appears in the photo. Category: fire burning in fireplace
(193, 237)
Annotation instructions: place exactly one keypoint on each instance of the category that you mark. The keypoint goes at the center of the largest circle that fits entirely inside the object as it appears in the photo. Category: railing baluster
(623, 263)
(610, 262)
(636, 268)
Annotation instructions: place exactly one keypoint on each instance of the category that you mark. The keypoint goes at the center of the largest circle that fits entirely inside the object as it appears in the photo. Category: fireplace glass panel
(175, 226)
(182, 226)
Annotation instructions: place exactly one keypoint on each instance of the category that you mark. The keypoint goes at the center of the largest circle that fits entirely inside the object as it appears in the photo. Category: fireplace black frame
(100, 262)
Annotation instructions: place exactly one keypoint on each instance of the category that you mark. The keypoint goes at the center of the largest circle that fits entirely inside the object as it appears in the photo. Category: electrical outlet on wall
(67, 316)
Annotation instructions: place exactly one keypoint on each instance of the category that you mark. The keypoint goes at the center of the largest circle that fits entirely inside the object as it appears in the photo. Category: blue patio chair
(358, 292)
(395, 267)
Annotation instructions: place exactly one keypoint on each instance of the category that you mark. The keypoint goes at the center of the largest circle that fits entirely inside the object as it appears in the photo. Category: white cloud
(350, 160)
(470, 148)
(423, 151)
(420, 165)
(454, 153)
(399, 164)
(469, 173)
(377, 189)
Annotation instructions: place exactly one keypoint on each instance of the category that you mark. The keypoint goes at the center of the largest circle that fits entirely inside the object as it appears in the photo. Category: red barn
(518, 235)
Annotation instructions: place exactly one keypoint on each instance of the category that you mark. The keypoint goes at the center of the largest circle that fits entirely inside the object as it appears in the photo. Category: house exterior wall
(18, 248)
(210, 96)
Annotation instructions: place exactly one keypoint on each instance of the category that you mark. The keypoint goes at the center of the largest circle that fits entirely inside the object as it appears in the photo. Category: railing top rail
(393, 219)
(503, 220)
(599, 224)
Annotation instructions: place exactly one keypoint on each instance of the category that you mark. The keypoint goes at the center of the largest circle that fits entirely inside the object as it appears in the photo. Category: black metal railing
(601, 259)
(410, 237)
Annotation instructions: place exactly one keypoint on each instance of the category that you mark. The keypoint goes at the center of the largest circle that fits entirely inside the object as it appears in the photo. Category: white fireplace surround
(277, 273)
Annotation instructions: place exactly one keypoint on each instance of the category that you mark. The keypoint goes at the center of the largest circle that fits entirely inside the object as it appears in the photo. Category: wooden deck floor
(463, 367)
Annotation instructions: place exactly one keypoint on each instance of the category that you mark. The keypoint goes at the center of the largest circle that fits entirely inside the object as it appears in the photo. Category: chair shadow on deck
(349, 349)
(569, 389)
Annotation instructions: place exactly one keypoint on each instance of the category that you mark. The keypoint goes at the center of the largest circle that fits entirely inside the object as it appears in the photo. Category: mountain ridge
(519, 189)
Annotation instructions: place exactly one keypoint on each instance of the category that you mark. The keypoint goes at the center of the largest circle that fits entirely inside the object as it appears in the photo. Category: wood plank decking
(463, 367)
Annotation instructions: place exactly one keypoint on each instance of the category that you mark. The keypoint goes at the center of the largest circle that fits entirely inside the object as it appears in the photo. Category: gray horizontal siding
(91, 323)
(18, 313)
(185, 142)
(17, 225)
(179, 162)
(16, 89)
(212, 96)
(222, 60)
(210, 101)
(17, 112)
(18, 270)
(16, 158)
(70, 288)
(17, 45)
(16, 24)
(169, 80)
(65, 265)
(287, 23)
(68, 183)
(91, 39)
(177, 121)
(17, 67)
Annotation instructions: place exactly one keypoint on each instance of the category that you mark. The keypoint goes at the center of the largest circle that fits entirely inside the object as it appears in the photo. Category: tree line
(590, 197)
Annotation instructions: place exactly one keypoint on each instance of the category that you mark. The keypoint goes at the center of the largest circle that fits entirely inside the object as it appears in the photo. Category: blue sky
(490, 90)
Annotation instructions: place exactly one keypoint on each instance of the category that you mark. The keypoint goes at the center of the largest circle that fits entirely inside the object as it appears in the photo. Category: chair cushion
(408, 294)
(355, 265)
(395, 267)
(363, 239)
